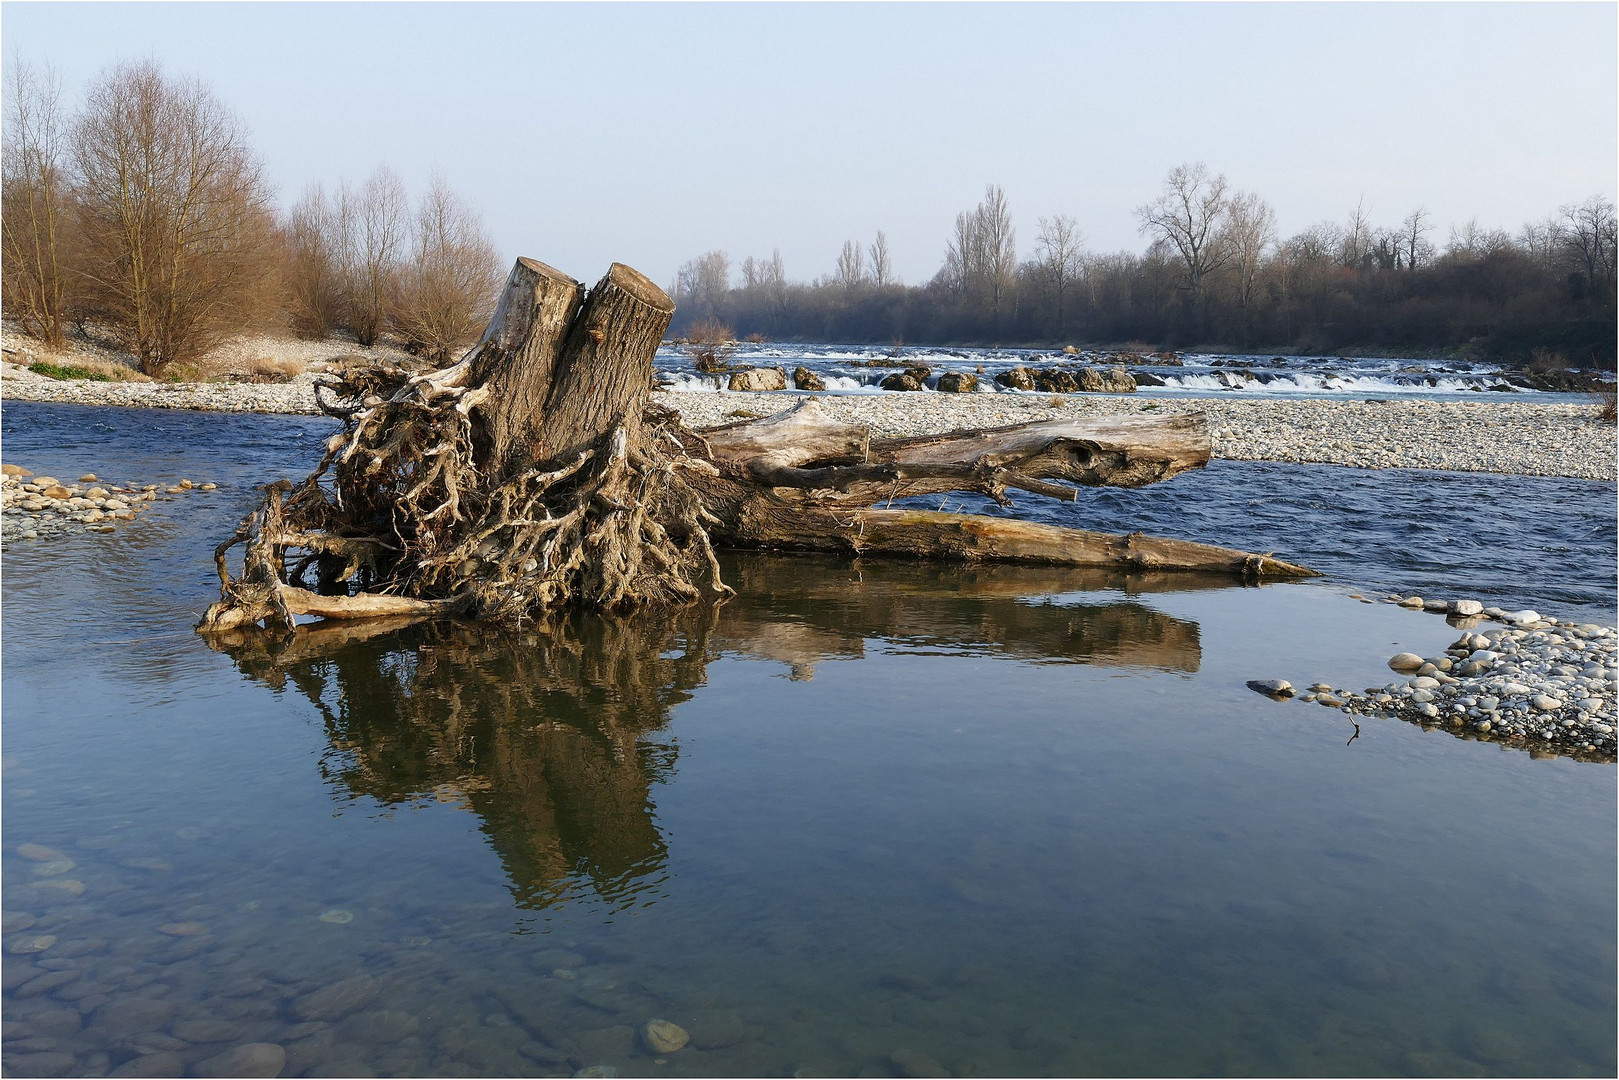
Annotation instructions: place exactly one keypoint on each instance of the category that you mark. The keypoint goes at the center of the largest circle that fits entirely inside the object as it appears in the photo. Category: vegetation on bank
(1215, 276)
(146, 214)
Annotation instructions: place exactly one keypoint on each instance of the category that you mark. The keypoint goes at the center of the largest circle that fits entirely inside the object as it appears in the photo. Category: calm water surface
(865, 818)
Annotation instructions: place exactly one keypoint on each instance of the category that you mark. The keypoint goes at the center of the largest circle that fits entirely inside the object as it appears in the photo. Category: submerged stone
(663, 1036)
(1276, 688)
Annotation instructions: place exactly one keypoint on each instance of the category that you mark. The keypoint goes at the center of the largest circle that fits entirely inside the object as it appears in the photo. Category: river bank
(1524, 438)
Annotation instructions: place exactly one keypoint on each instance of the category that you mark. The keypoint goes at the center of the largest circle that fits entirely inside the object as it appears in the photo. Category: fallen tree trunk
(536, 473)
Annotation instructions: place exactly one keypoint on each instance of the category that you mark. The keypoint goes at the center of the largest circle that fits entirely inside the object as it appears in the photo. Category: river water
(859, 369)
(864, 819)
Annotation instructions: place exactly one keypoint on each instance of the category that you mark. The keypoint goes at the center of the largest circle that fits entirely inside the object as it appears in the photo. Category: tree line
(146, 213)
(1215, 274)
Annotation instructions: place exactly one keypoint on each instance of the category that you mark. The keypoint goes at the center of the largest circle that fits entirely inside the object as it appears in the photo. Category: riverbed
(864, 819)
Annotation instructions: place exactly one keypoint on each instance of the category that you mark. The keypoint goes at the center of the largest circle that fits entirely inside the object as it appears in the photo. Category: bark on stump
(536, 473)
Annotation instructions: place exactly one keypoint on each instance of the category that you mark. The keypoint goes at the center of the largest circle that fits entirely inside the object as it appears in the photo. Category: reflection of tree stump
(536, 474)
(547, 735)
(552, 735)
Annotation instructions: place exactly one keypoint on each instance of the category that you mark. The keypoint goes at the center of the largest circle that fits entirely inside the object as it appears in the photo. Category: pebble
(33, 943)
(162, 1063)
(30, 510)
(380, 1026)
(1534, 682)
(337, 1000)
(663, 1036)
(49, 1064)
(40, 853)
(915, 1063)
(1276, 688)
(183, 929)
(207, 1030)
(249, 1059)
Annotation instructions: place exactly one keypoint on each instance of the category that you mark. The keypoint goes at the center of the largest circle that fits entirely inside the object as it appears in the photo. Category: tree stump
(537, 474)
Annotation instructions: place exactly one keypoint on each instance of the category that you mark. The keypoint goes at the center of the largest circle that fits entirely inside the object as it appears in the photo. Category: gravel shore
(1525, 438)
(41, 507)
(1534, 682)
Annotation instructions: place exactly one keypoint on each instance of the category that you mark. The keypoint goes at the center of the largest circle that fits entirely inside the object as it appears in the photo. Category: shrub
(446, 294)
(174, 215)
(90, 370)
(710, 345)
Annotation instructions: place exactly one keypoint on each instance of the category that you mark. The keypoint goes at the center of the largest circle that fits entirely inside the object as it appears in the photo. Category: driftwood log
(537, 474)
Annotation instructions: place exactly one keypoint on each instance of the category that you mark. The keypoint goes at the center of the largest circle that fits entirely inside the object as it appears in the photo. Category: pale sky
(649, 134)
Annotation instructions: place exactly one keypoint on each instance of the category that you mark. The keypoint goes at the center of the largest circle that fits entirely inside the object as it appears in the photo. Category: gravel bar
(1535, 683)
(1524, 438)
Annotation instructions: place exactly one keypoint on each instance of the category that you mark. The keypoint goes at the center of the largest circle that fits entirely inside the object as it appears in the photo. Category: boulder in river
(958, 382)
(805, 379)
(757, 379)
(1057, 382)
(1018, 378)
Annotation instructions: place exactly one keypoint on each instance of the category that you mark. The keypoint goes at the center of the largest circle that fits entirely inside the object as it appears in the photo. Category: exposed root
(399, 519)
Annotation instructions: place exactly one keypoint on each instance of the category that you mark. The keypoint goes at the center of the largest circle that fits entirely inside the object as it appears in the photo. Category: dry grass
(1608, 403)
(195, 371)
(267, 369)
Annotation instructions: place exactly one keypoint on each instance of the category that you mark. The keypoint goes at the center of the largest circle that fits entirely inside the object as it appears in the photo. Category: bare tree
(998, 243)
(704, 281)
(174, 211)
(311, 236)
(963, 257)
(374, 225)
(1357, 237)
(34, 204)
(1187, 216)
(1415, 250)
(1249, 231)
(1588, 235)
(1059, 249)
(851, 272)
(773, 279)
(1470, 241)
(882, 269)
(447, 291)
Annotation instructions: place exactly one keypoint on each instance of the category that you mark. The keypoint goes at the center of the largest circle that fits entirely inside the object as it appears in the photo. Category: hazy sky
(652, 133)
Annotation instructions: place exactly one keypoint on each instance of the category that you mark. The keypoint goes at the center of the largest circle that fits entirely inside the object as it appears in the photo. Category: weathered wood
(800, 435)
(973, 538)
(536, 474)
(517, 356)
(605, 373)
(808, 449)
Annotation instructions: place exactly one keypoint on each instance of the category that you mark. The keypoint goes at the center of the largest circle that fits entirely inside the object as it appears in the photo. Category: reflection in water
(552, 735)
(797, 612)
(549, 736)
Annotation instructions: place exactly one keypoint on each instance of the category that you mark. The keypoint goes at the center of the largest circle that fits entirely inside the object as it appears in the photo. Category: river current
(867, 818)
